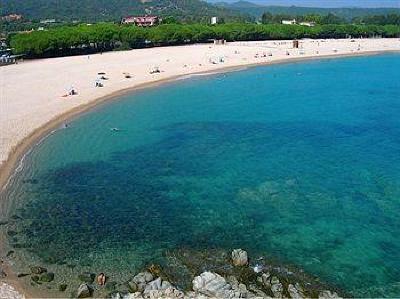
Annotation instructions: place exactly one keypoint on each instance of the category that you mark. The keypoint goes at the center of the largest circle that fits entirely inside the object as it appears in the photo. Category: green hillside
(346, 13)
(113, 10)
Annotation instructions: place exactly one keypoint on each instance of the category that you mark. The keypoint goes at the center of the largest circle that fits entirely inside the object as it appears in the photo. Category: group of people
(98, 83)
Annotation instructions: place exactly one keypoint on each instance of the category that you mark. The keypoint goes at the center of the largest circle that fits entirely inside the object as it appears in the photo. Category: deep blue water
(298, 161)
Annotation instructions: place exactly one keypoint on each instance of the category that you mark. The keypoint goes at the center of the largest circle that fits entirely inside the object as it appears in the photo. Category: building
(48, 21)
(3, 43)
(142, 21)
(219, 42)
(11, 18)
(308, 24)
(289, 22)
(214, 20)
(7, 58)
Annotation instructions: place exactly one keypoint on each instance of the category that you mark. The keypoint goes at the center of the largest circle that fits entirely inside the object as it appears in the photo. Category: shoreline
(9, 167)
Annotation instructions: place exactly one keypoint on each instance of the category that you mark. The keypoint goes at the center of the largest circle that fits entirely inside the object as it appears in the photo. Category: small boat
(115, 129)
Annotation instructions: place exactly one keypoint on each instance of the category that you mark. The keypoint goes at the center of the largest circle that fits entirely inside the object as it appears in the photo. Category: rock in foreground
(84, 291)
(239, 257)
(212, 285)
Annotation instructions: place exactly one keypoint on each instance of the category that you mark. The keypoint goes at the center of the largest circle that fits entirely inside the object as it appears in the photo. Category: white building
(214, 20)
(289, 22)
(308, 24)
(142, 21)
(48, 21)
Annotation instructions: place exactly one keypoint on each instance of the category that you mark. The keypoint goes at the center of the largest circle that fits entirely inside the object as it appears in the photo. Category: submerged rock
(10, 253)
(3, 274)
(239, 257)
(46, 277)
(62, 287)
(111, 285)
(35, 278)
(38, 270)
(87, 277)
(84, 291)
(213, 285)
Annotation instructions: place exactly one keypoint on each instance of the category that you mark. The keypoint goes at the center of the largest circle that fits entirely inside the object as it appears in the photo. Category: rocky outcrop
(239, 257)
(212, 285)
(328, 295)
(145, 285)
(139, 282)
(154, 285)
(235, 279)
(84, 291)
(296, 291)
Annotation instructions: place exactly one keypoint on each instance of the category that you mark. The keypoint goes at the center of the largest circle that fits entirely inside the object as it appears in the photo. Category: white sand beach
(31, 92)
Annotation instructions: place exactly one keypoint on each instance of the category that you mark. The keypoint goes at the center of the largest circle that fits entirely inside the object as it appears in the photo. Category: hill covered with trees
(113, 10)
(347, 14)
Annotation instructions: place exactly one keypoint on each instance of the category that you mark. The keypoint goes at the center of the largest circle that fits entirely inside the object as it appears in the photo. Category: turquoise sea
(297, 161)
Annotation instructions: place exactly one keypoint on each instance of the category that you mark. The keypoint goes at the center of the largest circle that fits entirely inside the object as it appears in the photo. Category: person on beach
(72, 91)
(101, 279)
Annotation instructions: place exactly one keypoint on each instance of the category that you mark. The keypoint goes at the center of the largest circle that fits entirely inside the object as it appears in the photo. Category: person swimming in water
(101, 279)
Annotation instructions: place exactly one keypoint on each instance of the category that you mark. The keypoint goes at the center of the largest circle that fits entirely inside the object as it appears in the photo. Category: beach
(32, 93)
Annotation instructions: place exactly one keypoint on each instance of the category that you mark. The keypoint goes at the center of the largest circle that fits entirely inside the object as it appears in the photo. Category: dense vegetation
(114, 10)
(346, 13)
(188, 11)
(390, 19)
(106, 36)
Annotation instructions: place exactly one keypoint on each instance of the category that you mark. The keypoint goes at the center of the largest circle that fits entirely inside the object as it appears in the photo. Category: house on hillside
(48, 21)
(11, 18)
(142, 21)
(289, 22)
(214, 20)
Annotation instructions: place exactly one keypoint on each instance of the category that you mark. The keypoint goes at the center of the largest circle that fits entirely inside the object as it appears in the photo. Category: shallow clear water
(300, 161)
